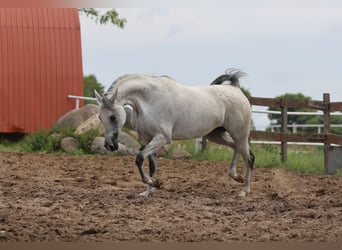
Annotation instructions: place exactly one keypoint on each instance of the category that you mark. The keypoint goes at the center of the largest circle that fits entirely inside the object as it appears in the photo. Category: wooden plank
(317, 105)
(284, 131)
(334, 139)
(308, 137)
(268, 102)
(335, 106)
(275, 136)
(326, 122)
(263, 135)
(326, 117)
(305, 104)
(290, 103)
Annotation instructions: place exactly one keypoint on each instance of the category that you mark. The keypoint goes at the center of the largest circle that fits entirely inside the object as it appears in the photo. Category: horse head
(113, 116)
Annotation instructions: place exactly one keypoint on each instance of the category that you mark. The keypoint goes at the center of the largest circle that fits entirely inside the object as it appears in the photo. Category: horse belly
(198, 118)
(193, 128)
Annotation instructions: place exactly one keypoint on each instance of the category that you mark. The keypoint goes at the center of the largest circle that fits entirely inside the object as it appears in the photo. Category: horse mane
(231, 75)
(127, 77)
(121, 79)
(163, 76)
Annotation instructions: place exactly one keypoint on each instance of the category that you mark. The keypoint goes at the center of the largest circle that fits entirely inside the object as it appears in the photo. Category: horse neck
(133, 93)
(134, 89)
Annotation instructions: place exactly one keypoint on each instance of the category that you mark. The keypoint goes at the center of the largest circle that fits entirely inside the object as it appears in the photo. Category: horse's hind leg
(221, 136)
(248, 156)
(232, 168)
(249, 164)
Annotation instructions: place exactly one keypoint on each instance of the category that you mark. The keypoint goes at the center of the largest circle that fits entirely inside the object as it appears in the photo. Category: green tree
(246, 92)
(109, 16)
(91, 83)
(336, 120)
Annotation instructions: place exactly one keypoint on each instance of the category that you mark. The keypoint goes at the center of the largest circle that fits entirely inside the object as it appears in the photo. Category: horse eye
(112, 118)
(99, 118)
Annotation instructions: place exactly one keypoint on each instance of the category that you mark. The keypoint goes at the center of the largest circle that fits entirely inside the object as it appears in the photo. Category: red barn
(40, 65)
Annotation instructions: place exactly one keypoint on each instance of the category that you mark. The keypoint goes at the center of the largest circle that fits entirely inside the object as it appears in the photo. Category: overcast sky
(283, 50)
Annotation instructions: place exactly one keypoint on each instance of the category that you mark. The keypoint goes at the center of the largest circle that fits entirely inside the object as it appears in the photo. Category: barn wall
(40, 64)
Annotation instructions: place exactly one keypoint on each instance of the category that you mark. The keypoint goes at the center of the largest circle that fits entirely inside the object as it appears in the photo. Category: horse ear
(98, 97)
(113, 98)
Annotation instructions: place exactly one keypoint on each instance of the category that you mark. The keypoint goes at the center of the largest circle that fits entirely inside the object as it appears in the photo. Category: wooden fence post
(283, 130)
(326, 129)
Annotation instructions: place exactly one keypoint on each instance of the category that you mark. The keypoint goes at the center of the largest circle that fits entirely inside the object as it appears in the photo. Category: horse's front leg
(157, 142)
(152, 160)
(145, 178)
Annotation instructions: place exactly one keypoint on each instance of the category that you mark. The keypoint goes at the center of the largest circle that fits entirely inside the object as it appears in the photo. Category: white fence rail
(293, 113)
(78, 98)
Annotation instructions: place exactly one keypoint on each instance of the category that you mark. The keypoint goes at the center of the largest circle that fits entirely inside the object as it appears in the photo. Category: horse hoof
(237, 178)
(150, 190)
(243, 193)
(145, 194)
(156, 184)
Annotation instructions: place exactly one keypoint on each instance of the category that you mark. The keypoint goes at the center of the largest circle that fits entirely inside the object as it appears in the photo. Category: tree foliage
(91, 83)
(292, 119)
(109, 16)
(246, 92)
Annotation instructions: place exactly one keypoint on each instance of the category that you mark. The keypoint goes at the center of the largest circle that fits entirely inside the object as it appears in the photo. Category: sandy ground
(45, 197)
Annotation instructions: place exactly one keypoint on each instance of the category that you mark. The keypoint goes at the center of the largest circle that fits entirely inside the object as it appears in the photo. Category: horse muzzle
(111, 144)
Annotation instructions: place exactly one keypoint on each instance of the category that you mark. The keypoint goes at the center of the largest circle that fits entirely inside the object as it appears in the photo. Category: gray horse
(163, 110)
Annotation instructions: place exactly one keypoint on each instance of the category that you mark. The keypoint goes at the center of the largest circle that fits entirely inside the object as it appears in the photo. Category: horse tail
(231, 75)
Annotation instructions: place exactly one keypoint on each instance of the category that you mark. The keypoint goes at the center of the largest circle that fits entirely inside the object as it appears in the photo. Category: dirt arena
(46, 197)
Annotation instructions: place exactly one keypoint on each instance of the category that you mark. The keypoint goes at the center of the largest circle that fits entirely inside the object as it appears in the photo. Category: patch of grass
(308, 159)
(49, 140)
(339, 172)
(266, 155)
(46, 140)
(10, 142)
(85, 140)
(299, 158)
(212, 153)
(309, 162)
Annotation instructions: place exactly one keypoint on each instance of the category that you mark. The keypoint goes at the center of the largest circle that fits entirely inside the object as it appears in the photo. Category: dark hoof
(238, 178)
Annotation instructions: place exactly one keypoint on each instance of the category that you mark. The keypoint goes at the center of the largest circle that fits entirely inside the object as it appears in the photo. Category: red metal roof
(40, 65)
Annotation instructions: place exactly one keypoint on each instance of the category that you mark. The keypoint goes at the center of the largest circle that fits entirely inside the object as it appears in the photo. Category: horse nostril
(112, 147)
